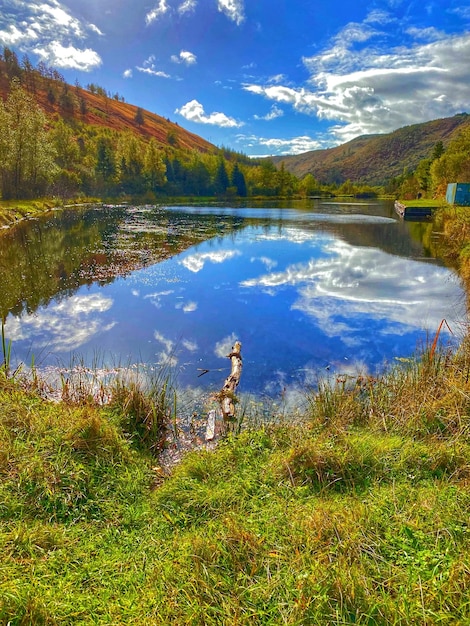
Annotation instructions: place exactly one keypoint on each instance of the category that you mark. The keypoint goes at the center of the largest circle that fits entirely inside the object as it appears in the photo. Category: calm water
(326, 287)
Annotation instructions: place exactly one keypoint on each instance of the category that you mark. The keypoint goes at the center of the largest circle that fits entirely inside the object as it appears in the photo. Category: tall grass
(357, 515)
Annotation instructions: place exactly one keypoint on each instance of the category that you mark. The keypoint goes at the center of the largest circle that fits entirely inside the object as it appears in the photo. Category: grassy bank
(454, 223)
(12, 211)
(357, 516)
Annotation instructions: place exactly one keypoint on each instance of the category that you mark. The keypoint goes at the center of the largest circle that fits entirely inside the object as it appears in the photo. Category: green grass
(359, 515)
(12, 211)
(425, 202)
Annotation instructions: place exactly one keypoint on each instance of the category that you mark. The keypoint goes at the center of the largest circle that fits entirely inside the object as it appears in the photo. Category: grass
(359, 515)
(425, 202)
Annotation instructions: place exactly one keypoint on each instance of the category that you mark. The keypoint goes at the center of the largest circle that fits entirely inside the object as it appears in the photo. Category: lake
(311, 289)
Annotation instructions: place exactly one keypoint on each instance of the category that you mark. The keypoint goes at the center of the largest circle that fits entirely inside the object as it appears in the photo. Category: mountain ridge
(375, 159)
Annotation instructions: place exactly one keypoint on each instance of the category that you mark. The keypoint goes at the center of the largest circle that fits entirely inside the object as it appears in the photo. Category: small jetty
(414, 213)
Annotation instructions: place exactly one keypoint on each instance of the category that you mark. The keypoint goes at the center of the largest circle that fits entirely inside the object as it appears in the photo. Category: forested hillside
(376, 159)
(63, 140)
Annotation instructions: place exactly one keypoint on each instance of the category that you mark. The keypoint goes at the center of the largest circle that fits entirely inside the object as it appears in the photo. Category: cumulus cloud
(160, 9)
(193, 111)
(127, 73)
(188, 6)
(273, 114)
(292, 145)
(148, 67)
(188, 58)
(48, 29)
(233, 9)
(365, 84)
(68, 57)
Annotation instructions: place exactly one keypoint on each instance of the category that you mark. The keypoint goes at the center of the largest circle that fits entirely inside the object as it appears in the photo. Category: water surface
(323, 287)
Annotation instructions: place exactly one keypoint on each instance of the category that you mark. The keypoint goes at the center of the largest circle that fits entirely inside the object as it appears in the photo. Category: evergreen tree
(105, 162)
(238, 181)
(139, 117)
(221, 180)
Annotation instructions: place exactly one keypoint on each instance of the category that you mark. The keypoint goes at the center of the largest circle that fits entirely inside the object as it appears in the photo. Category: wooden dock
(414, 213)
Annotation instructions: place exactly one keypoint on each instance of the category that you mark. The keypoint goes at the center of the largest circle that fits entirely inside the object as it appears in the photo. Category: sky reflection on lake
(300, 297)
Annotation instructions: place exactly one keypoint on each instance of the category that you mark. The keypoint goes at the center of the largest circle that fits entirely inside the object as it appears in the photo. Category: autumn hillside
(99, 109)
(375, 159)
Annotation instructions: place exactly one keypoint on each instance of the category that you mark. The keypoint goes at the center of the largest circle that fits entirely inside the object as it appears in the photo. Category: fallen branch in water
(226, 396)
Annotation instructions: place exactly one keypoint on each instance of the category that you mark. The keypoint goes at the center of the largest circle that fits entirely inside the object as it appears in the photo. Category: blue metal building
(458, 193)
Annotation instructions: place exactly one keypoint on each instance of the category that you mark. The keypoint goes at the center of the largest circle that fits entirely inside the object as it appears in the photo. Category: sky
(262, 77)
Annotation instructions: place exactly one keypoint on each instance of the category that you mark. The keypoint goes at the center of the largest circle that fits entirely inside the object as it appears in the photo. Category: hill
(96, 107)
(375, 159)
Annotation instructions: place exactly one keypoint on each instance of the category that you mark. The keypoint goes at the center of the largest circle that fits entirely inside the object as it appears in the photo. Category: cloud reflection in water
(195, 262)
(64, 325)
(350, 282)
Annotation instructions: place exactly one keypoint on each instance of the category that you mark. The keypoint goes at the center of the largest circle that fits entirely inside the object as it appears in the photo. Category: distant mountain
(97, 108)
(375, 159)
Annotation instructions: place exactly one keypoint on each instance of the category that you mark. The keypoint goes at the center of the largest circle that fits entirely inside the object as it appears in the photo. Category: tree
(238, 181)
(129, 157)
(67, 100)
(438, 151)
(139, 117)
(26, 152)
(154, 167)
(309, 185)
(105, 162)
(66, 147)
(221, 180)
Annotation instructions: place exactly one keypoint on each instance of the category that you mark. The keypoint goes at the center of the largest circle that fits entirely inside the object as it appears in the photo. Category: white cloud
(194, 112)
(195, 262)
(292, 145)
(277, 79)
(127, 73)
(68, 57)
(184, 57)
(233, 9)
(366, 84)
(188, 6)
(167, 355)
(273, 114)
(148, 67)
(191, 346)
(95, 29)
(266, 261)
(48, 29)
(160, 9)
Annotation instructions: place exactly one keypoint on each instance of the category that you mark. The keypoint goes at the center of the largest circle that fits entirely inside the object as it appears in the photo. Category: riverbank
(357, 515)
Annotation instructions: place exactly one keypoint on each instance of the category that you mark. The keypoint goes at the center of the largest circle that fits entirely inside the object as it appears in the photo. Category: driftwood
(226, 396)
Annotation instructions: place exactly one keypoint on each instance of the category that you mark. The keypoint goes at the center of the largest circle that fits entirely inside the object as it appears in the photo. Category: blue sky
(263, 77)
